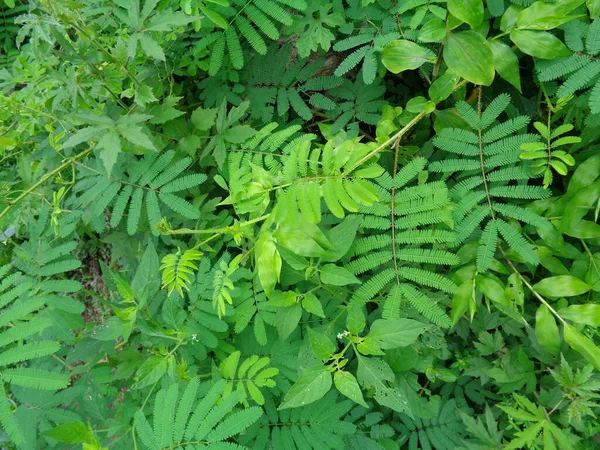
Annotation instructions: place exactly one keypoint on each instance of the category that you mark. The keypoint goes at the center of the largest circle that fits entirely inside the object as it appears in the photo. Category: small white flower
(194, 337)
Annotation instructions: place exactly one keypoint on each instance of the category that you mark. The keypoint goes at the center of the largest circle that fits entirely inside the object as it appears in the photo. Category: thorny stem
(216, 231)
(391, 140)
(481, 163)
(395, 171)
(530, 287)
(13, 203)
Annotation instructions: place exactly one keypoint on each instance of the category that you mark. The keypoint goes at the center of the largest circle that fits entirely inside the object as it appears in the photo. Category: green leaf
(337, 276)
(150, 372)
(311, 304)
(469, 55)
(346, 383)
(462, 301)
(582, 345)
(70, 433)
(443, 87)
(506, 63)
(469, 11)
(204, 119)
(136, 136)
(146, 281)
(375, 373)
(151, 47)
(341, 237)
(109, 147)
(540, 44)
(561, 286)
(239, 134)
(394, 333)
(432, 31)
(402, 55)
(546, 330)
(588, 314)
(312, 384)
(545, 16)
(287, 320)
(321, 344)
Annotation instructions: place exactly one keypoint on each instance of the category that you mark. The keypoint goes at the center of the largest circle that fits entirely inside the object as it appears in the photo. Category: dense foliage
(294, 224)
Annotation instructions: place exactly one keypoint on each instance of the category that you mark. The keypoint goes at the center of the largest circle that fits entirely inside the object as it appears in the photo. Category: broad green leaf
(469, 55)
(136, 136)
(146, 281)
(561, 286)
(582, 345)
(461, 301)
(150, 372)
(355, 321)
(588, 314)
(204, 119)
(346, 383)
(321, 344)
(469, 11)
(375, 373)
(341, 237)
(151, 47)
(546, 330)
(239, 134)
(287, 320)
(337, 276)
(268, 261)
(506, 63)
(402, 55)
(546, 16)
(312, 384)
(70, 433)
(443, 87)
(311, 304)
(109, 148)
(432, 31)
(229, 365)
(394, 333)
(540, 44)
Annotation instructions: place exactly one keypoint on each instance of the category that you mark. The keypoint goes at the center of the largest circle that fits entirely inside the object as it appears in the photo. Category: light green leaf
(337, 276)
(150, 372)
(204, 119)
(540, 44)
(432, 31)
(402, 55)
(109, 147)
(588, 314)
(469, 11)
(561, 286)
(146, 281)
(287, 320)
(546, 330)
(311, 304)
(312, 384)
(136, 136)
(394, 333)
(469, 55)
(506, 63)
(582, 345)
(70, 433)
(346, 383)
(321, 344)
(151, 47)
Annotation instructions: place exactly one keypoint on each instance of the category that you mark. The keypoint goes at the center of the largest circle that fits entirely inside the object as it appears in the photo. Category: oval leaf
(469, 55)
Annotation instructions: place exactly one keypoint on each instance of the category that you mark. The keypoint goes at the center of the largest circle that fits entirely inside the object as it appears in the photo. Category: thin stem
(11, 204)
(530, 287)
(217, 231)
(391, 140)
(481, 163)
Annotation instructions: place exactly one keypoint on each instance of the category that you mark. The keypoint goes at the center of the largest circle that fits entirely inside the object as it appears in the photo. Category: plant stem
(13, 203)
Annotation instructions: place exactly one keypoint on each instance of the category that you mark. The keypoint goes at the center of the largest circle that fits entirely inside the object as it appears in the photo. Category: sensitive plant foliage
(279, 224)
